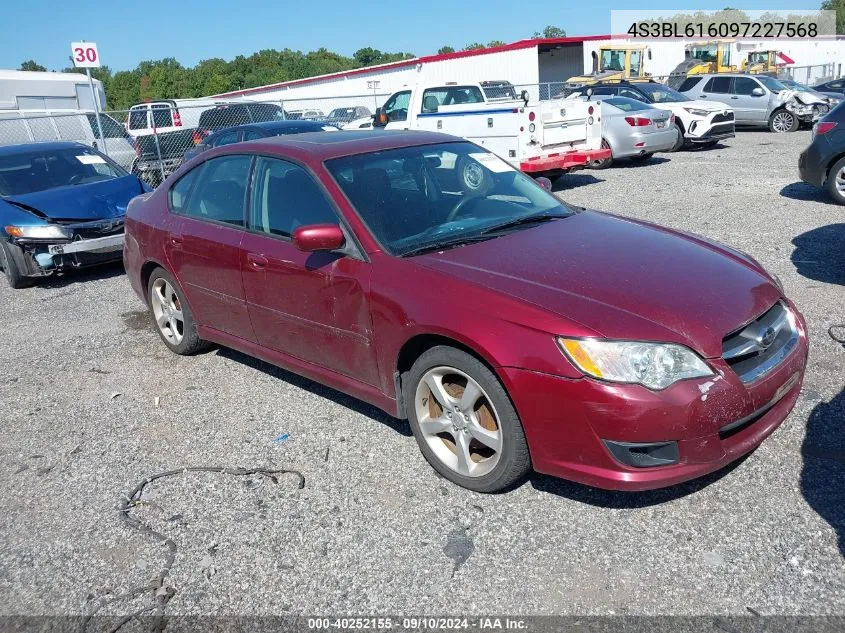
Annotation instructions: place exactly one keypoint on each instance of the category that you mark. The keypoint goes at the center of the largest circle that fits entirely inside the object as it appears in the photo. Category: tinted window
(138, 118)
(632, 94)
(162, 116)
(744, 85)
(40, 170)
(266, 112)
(251, 135)
(111, 128)
(286, 196)
(718, 85)
(224, 116)
(689, 83)
(178, 194)
(226, 138)
(396, 107)
(218, 194)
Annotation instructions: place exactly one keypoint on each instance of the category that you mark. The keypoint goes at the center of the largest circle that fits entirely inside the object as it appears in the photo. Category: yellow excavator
(761, 62)
(713, 56)
(614, 63)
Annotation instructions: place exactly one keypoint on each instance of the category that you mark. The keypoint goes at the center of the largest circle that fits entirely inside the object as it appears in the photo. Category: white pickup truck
(545, 139)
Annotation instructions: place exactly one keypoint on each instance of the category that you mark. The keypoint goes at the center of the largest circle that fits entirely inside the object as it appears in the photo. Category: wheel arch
(146, 272)
(839, 156)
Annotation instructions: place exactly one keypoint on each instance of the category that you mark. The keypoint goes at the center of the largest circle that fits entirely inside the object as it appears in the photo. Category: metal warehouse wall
(666, 54)
(561, 63)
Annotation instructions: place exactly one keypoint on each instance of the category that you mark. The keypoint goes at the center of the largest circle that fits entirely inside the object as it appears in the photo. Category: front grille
(760, 346)
(720, 118)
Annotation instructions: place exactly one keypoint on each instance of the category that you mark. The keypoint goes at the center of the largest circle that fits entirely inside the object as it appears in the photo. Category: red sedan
(426, 276)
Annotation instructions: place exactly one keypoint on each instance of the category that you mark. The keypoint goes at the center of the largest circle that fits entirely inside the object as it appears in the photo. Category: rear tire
(171, 315)
(13, 264)
(475, 441)
(783, 121)
(679, 144)
(837, 173)
(604, 163)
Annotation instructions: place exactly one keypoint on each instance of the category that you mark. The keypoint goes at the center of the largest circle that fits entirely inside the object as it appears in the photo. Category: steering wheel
(453, 214)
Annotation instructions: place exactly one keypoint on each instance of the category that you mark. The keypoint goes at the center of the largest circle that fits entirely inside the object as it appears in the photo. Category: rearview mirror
(758, 92)
(544, 182)
(318, 237)
(380, 119)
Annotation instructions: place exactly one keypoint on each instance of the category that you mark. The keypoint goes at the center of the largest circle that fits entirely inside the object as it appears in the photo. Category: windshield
(41, 170)
(626, 104)
(421, 197)
(772, 84)
(662, 94)
(706, 53)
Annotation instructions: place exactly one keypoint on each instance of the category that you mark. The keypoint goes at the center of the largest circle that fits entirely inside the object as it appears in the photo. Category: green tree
(549, 32)
(31, 64)
(445, 49)
(474, 47)
(839, 7)
(367, 56)
(493, 43)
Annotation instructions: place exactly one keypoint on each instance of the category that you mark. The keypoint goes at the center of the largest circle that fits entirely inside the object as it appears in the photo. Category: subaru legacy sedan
(424, 275)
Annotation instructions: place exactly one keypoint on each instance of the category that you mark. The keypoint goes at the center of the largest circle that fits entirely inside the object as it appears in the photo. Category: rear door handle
(176, 239)
(734, 97)
(257, 262)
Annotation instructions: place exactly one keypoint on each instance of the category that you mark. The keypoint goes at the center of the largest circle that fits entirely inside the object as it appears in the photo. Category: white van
(166, 115)
(26, 126)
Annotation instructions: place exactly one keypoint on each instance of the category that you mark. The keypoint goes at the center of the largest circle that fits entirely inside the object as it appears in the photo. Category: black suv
(226, 115)
(823, 163)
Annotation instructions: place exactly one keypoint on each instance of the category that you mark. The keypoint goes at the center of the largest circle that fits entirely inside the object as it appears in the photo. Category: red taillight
(637, 121)
(531, 116)
(590, 110)
(137, 147)
(177, 120)
(825, 126)
(196, 137)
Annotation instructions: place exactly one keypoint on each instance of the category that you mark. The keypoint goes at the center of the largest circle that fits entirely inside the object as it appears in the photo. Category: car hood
(620, 278)
(94, 201)
(700, 104)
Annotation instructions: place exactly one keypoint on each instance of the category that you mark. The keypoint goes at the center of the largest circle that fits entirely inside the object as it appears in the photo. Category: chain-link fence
(152, 139)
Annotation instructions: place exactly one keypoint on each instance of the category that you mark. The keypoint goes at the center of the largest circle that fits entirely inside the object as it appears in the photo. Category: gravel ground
(92, 403)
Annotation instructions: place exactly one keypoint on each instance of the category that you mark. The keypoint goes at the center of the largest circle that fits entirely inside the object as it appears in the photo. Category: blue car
(62, 206)
(253, 131)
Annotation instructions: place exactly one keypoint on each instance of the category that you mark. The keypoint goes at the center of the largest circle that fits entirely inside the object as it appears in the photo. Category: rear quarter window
(689, 83)
(718, 85)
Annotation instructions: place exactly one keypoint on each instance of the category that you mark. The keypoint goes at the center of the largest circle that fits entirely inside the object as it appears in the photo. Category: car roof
(273, 126)
(322, 146)
(11, 150)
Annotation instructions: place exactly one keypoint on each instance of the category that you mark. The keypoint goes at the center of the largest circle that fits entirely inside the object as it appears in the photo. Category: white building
(527, 63)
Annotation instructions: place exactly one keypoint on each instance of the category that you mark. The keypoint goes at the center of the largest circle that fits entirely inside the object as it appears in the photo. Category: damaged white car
(758, 99)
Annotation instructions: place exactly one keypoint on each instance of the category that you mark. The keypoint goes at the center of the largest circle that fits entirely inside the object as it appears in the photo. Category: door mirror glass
(758, 92)
(380, 119)
(318, 237)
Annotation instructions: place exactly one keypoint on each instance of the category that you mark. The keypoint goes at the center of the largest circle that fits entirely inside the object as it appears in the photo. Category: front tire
(783, 121)
(171, 314)
(12, 262)
(836, 181)
(464, 422)
(681, 141)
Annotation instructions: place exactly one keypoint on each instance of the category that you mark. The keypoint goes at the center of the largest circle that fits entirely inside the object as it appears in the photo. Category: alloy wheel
(840, 181)
(167, 309)
(782, 122)
(458, 421)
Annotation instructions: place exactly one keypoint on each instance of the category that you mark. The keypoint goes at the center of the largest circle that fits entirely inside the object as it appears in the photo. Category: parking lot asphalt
(91, 403)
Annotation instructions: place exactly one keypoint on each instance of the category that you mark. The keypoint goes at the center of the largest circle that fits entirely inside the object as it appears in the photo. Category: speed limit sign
(85, 55)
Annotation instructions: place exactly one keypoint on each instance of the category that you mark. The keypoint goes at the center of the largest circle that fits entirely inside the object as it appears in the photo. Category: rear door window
(744, 85)
(138, 118)
(162, 115)
(218, 194)
(227, 138)
(718, 85)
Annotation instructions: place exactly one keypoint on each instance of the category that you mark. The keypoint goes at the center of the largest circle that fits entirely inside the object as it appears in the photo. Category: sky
(191, 30)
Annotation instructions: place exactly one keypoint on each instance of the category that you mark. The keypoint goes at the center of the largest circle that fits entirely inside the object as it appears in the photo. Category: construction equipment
(614, 63)
(713, 56)
(761, 62)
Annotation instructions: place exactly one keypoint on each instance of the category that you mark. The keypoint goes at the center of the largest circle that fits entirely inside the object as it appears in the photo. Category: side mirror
(380, 119)
(318, 237)
(524, 96)
(758, 92)
(544, 182)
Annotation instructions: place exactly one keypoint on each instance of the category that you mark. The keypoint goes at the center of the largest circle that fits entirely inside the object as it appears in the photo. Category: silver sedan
(635, 130)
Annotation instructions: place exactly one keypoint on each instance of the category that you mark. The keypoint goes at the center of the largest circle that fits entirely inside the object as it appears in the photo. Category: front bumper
(45, 257)
(716, 132)
(712, 422)
(562, 161)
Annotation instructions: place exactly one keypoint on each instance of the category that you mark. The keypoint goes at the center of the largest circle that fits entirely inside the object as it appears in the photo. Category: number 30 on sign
(85, 55)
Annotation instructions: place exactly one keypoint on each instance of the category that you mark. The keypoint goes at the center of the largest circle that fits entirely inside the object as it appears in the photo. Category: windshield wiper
(529, 219)
(440, 246)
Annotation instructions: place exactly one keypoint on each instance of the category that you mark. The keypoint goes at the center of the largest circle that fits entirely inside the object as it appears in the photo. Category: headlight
(697, 112)
(653, 365)
(44, 232)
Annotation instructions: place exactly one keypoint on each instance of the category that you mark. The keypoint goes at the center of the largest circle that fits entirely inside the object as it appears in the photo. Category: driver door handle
(176, 239)
(256, 262)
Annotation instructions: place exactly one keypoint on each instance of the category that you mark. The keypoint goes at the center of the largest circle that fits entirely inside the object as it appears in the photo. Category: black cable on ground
(161, 594)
